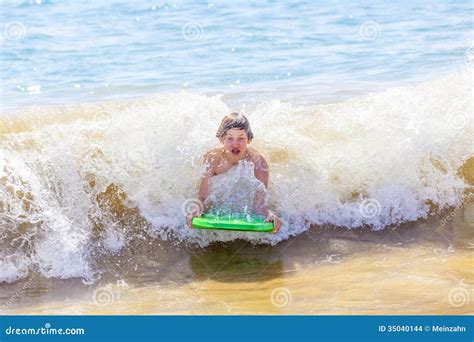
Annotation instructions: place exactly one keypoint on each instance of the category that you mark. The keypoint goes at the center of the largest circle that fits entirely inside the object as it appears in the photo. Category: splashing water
(79, 179)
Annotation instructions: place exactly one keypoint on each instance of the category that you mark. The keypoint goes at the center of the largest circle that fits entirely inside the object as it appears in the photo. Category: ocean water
(82, 51)
(364, 111)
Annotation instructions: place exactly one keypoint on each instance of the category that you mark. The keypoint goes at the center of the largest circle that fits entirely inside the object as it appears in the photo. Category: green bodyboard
(241, 222)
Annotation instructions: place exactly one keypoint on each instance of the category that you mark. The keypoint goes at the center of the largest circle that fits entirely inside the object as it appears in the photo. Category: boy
(235, 134)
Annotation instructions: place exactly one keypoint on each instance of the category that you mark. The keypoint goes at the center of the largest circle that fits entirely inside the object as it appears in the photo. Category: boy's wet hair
(234, 120)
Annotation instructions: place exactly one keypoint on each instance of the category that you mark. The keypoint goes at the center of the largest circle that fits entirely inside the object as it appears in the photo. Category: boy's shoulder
(257, 158)
(213, 155)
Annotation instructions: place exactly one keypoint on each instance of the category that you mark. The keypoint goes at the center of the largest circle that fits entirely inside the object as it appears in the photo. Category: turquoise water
(73, 52)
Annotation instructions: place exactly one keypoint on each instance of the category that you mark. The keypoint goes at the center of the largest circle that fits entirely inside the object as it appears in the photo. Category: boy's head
(235, 133)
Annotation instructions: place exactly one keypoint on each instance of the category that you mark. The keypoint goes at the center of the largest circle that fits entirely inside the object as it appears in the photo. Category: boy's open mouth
(235, 151)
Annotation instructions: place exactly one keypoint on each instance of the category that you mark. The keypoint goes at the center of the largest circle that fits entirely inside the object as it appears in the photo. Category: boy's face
(235, 142)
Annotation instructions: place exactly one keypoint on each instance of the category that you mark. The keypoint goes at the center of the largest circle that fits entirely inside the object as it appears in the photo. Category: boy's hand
(272, 217)
(189, 217)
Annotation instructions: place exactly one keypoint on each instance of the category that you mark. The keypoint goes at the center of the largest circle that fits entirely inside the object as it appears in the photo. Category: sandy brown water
(424, 267)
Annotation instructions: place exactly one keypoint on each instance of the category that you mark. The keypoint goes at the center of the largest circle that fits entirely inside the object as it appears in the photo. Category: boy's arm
(203, 189)
(261, 170)
(262, 174)
(205, 180)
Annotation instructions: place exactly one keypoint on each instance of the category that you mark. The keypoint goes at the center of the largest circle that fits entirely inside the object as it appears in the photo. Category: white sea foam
(378, 160)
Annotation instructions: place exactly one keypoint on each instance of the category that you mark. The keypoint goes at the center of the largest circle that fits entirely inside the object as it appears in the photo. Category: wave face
(77, 178)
